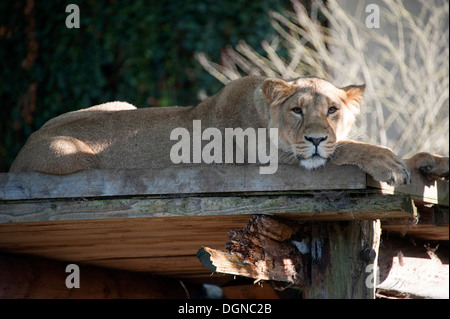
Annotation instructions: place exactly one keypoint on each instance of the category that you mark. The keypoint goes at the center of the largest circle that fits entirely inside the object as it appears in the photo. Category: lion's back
(88, 112)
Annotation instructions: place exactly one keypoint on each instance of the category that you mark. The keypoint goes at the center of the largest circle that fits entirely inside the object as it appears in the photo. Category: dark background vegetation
(137, 51)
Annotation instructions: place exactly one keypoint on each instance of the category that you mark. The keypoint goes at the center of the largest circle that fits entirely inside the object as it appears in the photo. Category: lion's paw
(433, 167)
(385, 166)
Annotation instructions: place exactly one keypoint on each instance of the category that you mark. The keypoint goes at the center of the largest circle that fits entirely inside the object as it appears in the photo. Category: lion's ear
(353, 95)
(277, 90)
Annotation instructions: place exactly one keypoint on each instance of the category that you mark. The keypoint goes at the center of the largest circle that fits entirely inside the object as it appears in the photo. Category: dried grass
(406, 70)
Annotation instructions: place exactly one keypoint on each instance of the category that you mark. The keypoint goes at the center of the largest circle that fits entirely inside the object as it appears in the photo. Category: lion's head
(311, 115)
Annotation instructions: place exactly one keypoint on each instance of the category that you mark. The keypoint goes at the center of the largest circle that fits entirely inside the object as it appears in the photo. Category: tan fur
(432, 166)
(117, 135)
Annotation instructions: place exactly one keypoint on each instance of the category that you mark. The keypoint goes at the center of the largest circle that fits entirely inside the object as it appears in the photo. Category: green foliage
(136, 51)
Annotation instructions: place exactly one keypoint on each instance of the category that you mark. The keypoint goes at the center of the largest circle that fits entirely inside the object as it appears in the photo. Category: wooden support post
(344, 259)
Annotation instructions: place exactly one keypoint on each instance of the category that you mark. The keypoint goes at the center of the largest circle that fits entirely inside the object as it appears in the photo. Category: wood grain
(420, 189)
(177, 180)
(131, 234)
(156, 220)
(322, 205)
(26, 277)
(165, 245)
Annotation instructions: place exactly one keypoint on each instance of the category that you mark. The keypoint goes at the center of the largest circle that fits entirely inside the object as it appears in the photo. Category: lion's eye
(332, 109)
(297, 110)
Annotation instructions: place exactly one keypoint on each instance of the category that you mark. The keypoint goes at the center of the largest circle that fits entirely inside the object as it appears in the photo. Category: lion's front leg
(378, 161)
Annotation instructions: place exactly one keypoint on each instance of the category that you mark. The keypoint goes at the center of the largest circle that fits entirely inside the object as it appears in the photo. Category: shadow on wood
(26, 277)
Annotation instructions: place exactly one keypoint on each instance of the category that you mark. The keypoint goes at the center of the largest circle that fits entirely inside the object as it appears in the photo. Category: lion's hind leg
(55, 155)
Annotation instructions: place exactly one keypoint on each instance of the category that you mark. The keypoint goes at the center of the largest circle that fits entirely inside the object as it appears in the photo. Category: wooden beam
(165, 246)
(420, 189)
(27, 277)
(416, 269)
(156, 220)
(194, 179)
(324, 205)
(250, 292)
(432, 224)
(162, 235)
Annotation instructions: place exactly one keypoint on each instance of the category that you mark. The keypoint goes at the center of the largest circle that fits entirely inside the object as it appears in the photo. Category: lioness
(312, 115)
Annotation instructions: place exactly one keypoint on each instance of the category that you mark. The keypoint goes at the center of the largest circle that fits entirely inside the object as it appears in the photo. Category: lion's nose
(315, 140)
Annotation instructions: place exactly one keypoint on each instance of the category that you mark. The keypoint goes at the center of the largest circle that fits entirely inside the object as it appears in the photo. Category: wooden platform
(156, 220)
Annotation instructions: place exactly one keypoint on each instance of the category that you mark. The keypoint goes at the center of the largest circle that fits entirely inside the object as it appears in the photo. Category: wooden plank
(138, 233)
(323, 205)
(432, 224)
(428, 232)
(177, 180)
(421, 189)
(250, 292)
(165, 245)
(26, 277)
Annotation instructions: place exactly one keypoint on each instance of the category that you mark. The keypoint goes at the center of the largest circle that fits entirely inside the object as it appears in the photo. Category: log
(262, 250)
